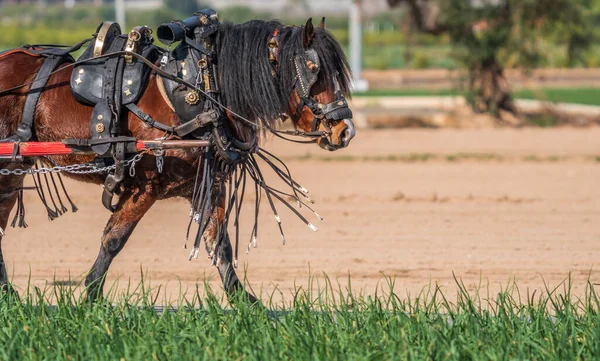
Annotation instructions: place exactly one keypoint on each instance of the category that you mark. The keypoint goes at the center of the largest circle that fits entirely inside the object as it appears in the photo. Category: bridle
(324, 114)
(307, 67)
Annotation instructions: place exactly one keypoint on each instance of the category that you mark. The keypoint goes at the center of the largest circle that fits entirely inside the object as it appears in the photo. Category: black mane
(248, 86)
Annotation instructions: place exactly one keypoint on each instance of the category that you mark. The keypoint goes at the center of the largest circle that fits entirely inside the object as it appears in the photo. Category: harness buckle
(160, 161)
(132, 39)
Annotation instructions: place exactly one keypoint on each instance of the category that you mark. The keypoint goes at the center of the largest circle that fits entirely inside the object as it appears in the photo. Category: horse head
(322, 76)
(269, 72)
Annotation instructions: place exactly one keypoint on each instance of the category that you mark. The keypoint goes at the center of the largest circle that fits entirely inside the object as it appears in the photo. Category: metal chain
(83, 168)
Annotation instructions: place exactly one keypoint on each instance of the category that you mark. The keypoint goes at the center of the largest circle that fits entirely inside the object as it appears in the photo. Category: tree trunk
(489, 89)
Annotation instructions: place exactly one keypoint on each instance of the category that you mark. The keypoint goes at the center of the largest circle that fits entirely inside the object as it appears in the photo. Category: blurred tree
(580, 34)
(487, 33)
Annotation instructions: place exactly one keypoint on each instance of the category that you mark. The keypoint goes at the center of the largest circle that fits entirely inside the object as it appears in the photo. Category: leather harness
(112, 82)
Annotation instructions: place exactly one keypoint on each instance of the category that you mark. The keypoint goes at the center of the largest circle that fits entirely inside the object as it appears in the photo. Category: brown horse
(250, 89)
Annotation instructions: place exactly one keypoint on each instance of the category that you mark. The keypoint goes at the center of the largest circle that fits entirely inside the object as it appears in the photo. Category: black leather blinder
(307, 67)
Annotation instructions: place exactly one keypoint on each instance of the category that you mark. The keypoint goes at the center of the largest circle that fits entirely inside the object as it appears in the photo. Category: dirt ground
(530, 213)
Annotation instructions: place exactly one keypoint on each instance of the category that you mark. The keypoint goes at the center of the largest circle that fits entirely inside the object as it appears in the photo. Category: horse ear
(322, 24)
(308, 33)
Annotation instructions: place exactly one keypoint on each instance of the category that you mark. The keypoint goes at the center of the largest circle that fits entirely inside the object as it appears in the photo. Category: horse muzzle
(341, 135)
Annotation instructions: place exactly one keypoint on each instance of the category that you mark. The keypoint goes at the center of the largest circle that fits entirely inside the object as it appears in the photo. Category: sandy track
(422, 222)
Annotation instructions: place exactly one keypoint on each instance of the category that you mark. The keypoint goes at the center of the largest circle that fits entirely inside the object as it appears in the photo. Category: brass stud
(100, 117)
(192, 97)
(202, 63)
(127, 92)
(99, 127)
(78, 80)
(81, 71)
(130, 82)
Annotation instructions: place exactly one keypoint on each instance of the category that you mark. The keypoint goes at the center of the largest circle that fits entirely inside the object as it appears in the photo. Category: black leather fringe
(19, 217)
(217, 179)
(50, 195)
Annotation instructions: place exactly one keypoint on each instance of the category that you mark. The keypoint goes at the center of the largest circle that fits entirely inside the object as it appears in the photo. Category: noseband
(324, 114)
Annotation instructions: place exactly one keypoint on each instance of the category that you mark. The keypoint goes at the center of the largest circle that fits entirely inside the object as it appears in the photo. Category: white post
(356, 46)
(120, 14)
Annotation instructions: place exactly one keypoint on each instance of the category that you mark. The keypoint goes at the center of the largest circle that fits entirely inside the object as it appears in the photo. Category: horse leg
(231, 283)
(223, 256)
(9, 186)
(132, 206)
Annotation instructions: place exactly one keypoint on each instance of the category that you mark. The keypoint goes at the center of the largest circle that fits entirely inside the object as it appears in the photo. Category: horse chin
(325, 144)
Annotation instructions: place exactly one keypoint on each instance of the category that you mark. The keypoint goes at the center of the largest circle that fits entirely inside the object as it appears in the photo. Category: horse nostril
(345, 138)
(348, 133)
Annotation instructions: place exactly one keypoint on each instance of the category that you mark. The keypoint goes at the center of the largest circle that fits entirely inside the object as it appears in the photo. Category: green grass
(328, 324)
(588, 96)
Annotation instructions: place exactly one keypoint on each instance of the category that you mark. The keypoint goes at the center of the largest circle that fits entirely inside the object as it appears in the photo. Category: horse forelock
(246, 74)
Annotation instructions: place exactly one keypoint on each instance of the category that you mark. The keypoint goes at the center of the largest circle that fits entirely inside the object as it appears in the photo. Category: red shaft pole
(33, 149)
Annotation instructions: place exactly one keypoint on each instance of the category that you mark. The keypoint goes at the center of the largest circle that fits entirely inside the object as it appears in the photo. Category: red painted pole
(32, 149)
(35, 149)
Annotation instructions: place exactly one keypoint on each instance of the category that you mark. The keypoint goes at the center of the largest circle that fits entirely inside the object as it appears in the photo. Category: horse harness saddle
(110, 83)
(114, 83)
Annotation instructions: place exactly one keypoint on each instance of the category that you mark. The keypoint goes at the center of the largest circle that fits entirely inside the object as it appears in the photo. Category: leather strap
(47, 50)
(24, 131)
(201, 120)
(147, 119)
(90, 142)
(112, 181)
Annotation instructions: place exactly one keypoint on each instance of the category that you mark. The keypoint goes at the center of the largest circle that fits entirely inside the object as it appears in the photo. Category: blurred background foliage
(388, 42)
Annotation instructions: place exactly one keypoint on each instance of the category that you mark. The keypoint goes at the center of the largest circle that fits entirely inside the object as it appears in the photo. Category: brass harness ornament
(192, 97)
